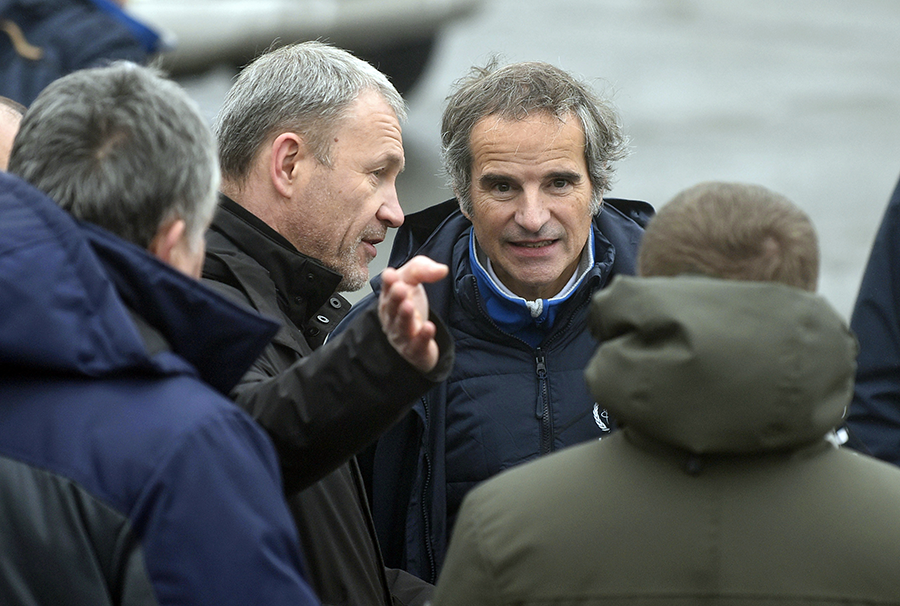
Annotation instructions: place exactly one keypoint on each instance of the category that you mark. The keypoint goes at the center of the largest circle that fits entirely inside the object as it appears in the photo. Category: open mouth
(541, 244)
(369, 246)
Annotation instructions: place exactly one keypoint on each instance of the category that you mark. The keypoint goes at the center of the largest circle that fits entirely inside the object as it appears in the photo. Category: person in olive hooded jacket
(727, 375)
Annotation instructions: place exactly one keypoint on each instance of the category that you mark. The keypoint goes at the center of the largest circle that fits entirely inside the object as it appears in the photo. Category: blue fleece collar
(528, 320)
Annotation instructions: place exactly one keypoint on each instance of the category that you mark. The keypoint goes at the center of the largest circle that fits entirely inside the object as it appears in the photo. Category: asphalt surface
(801, 96)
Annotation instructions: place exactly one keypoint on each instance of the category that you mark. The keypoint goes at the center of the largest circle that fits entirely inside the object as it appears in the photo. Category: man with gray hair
(310, 147)
(529, 150)
(126, 474)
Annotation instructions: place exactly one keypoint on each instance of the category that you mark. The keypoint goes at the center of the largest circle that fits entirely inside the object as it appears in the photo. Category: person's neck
(258, 200)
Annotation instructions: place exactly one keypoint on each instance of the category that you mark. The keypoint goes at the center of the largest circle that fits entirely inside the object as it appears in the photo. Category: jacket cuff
(447, 350)
(442, 336)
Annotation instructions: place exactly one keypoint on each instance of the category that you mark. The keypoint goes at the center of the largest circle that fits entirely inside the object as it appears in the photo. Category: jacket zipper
(426, 518)
(542, 410)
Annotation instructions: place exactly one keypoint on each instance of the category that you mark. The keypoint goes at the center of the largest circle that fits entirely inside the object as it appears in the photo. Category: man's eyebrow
(391, 159)
(398, 161)
(490, 178)
(572, 176)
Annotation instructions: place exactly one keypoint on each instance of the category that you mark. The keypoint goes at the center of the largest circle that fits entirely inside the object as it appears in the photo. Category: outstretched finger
(420, 269)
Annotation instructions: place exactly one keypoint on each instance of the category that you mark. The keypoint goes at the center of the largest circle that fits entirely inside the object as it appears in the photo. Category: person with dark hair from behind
(126, 474)
(10, 117)
(873, 422)
(728, 376)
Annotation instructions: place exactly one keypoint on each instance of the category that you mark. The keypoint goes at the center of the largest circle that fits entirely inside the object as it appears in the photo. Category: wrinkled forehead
(524, 118)
(534, 138)
(532, 131)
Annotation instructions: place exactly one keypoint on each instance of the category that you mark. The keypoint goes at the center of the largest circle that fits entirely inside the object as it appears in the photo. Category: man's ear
(289, 152)
(459, 203)
(167, 239)
(171, 246)
(461, 209)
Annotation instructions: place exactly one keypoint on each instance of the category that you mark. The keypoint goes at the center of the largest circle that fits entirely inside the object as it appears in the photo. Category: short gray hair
(121, 147)
(513, 92)
(304, 88)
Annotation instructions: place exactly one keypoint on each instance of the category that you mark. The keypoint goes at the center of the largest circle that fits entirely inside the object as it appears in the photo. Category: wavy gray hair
(513, 92)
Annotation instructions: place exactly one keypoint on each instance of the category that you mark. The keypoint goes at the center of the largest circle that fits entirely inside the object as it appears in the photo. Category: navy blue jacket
(505, 402)
(126, 476)
(874, 417)
(67, 35)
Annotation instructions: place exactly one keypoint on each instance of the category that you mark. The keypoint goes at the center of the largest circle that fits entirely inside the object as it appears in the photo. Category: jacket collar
(219, 338)
(81, 301)
(303, 283)
(441, 232)
(531, 321)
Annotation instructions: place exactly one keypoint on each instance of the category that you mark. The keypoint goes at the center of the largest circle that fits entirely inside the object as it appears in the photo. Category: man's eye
(502, 187)
(560, 183)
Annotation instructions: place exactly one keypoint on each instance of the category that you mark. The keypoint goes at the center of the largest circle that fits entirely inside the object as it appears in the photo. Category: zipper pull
(540, 364)
(541, 371)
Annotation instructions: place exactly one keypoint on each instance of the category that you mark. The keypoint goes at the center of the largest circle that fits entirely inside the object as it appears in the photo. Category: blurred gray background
(801, 96)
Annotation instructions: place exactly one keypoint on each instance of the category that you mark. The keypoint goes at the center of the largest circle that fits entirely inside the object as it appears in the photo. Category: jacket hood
(69, 293)
(720, 366)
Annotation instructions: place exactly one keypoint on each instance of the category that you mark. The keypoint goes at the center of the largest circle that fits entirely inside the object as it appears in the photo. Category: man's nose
(532, 213)
(390, 212)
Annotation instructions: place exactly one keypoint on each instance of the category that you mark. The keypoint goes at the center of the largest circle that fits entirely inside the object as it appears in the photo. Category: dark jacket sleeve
(214, 526)
(326, 407)
(874, 417)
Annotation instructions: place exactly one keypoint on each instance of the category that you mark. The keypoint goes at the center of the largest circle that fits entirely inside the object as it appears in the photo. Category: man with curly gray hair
(529, 151)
